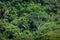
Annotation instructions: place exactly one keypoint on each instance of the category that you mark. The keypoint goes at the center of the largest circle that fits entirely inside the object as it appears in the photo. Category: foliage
(29, 19)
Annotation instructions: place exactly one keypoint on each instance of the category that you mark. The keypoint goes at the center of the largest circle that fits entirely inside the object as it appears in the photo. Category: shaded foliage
(29, 20)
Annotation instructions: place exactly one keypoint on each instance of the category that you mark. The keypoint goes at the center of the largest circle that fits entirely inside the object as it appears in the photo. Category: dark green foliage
(9, 34)
(1, 14)
(32, 26)
(29, 19)
(2, 29)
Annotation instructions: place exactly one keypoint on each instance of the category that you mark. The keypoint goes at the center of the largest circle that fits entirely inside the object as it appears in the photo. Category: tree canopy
(29, 19)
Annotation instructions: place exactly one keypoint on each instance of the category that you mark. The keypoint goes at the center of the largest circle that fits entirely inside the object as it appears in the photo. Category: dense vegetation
(29, 19)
